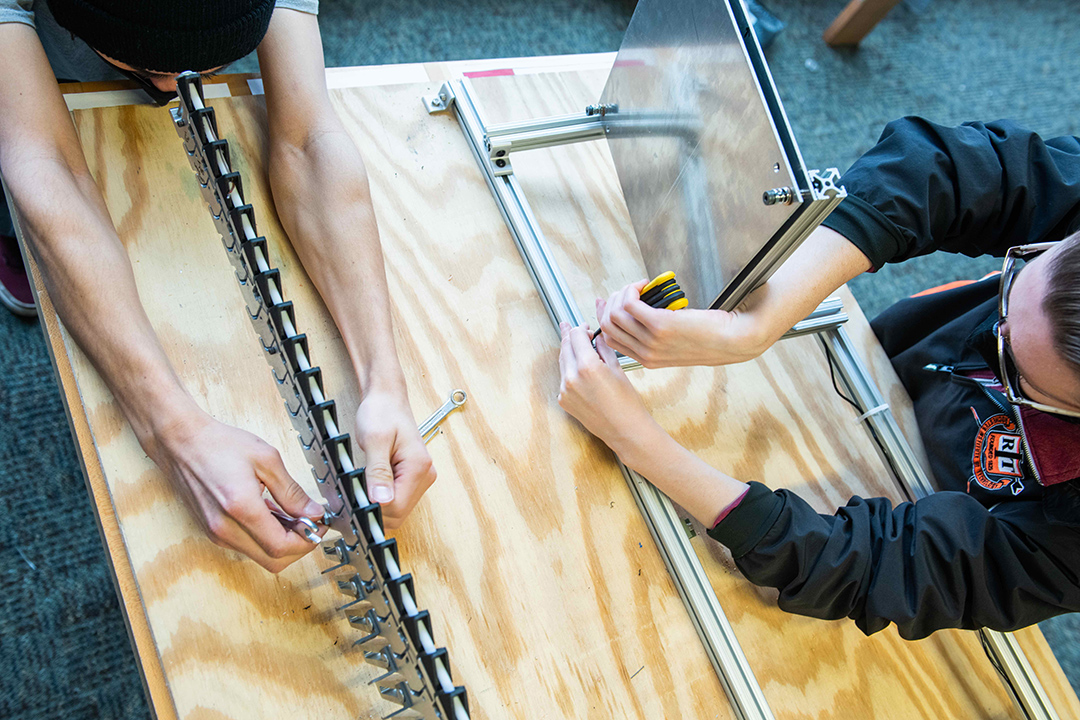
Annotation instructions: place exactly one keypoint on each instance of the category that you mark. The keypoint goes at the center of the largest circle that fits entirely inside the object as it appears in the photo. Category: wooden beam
(856, 21)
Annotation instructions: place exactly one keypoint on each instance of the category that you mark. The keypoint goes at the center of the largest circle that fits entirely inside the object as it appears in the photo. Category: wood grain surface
(541, 577)
(778, 421)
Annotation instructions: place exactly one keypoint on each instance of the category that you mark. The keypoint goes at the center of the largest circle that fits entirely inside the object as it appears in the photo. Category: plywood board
(775, 420)
(540, 575)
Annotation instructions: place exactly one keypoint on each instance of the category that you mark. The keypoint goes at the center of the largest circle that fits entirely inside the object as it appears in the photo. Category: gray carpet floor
(64, 651)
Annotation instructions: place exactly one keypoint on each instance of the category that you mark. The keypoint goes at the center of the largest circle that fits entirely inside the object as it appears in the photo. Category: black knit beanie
(167, 35)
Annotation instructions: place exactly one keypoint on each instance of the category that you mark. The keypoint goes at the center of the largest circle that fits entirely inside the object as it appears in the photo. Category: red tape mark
(488, 73)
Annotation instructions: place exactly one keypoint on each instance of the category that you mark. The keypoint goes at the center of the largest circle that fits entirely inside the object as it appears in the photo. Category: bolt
(436, 102)
(337, 551)
(601, 109)
(500, 163)
(784, 195)
(351, 587)
(501, 153)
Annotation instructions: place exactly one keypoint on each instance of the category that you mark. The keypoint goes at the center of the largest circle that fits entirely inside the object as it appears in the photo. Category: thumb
(286, 492)
(378, 472)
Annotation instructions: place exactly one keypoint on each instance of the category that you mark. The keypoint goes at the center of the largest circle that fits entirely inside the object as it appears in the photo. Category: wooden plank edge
(147, 657)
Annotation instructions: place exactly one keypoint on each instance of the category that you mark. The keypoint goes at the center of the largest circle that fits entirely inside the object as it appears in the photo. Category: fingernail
(382, 494)
(313, 509)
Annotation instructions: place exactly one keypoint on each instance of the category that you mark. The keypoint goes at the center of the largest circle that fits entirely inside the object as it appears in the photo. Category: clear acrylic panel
(696, 144)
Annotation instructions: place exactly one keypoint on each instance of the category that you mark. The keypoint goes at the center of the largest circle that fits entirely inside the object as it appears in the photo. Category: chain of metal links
(397, 635)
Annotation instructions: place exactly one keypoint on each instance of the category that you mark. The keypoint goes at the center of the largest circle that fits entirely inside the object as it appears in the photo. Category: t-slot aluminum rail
(663, 521)
(492, 146)
(1020, 679)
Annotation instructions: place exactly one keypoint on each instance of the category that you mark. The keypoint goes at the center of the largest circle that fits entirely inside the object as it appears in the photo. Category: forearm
(90, 282)
(825, 261)
(698, 487)
(322, 196)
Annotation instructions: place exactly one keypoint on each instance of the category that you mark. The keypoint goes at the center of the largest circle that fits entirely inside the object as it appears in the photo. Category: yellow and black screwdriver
(662, 293)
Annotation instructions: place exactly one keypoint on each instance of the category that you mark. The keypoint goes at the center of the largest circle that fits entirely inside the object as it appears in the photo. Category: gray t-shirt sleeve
(308, 6)
(21, 11)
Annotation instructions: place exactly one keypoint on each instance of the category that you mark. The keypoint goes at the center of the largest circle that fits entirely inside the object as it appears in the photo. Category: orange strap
(953, 285)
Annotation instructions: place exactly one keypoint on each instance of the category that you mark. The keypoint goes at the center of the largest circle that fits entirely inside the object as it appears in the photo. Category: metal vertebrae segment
(397, 635)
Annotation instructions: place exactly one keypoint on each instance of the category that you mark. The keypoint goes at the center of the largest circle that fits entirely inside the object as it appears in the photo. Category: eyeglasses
(1010, 376)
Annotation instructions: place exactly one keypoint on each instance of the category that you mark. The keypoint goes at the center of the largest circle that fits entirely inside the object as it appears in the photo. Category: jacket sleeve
(975, 189)
(942, 562)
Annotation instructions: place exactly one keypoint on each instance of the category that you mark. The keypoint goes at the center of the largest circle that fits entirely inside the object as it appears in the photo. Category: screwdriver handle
(662, 292)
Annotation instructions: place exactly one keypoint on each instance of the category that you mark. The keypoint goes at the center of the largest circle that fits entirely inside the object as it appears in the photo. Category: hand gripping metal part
(306, 527)
(397, 634)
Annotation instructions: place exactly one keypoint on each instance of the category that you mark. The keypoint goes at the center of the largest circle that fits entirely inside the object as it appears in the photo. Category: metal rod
(547, 138)
(820, 323)
(1022, 682)
(1027, 691)
(554, 122)
(725, 653)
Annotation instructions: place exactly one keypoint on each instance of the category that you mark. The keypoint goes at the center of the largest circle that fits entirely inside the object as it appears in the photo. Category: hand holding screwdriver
(662, 293)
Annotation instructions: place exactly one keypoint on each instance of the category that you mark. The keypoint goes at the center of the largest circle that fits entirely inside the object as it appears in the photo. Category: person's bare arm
(595, 390)
(661, 338)
(219, 470)
(321, 193)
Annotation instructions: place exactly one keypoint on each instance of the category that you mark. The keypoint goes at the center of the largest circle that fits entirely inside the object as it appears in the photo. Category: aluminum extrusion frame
(665, 525)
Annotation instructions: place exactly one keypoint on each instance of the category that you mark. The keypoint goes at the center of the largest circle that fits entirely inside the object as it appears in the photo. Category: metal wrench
(302, 525)
(309, 529)
(428, 427)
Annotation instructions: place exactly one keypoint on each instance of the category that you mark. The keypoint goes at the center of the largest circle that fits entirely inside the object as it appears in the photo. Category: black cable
(997, 666)
(832, 375)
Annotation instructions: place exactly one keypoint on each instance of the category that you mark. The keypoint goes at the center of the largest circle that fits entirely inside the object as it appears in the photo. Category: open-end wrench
(308, 528)
(302, 525)
(428, 427)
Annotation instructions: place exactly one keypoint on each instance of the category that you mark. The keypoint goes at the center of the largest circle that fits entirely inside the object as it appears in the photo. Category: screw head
(500, 163)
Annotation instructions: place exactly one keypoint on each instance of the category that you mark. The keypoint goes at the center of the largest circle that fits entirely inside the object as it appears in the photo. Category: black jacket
(995, 548)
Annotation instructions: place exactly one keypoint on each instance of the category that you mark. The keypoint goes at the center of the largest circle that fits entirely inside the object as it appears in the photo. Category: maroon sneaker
(15, 292)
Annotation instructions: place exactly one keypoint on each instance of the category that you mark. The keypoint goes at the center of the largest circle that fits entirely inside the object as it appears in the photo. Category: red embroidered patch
(998, 457)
